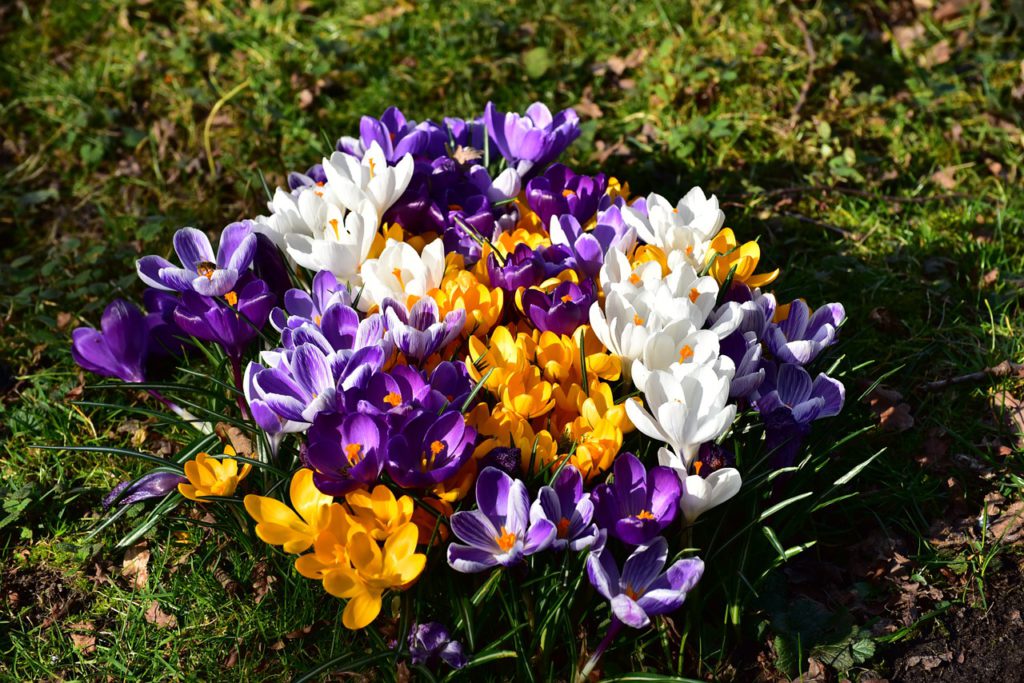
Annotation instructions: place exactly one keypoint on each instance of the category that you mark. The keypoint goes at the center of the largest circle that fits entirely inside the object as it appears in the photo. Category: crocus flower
(566, 506)
(396, 136)
(788, 402)
(301, 306)
(686, 228)
(499, 531)
(296, 529)
(401, 273)
(744, 350)
(688, 406)
(269, 265)
(202, 272)
(352, 180)
(563, 310)
(233, 326)
(419, 332)
(588, 248)
(638, 504)
(208, 476)
(119, 348)
(345, 451)
(378, 511)
(152, 485)
(737, 262)
(802, 336)
(429, 449)
(529, 142)
(264, 416)
(711, 484)
(431, 642)
(560, 191)
(642, 590)
(301, 387)
(524, 267)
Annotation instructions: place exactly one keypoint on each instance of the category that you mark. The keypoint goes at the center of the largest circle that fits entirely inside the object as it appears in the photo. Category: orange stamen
(334, 224)
(696, 467)
(634, 279)
(206, 269)
(393, 399)
(566, 298)
(637, 320)
(231, 298)
(644, 514)
(567, 193)
(354, 453)
(563, 528)
(685, 354)
(436, 447)
(694, 295)
(373, 169)
(506, 540)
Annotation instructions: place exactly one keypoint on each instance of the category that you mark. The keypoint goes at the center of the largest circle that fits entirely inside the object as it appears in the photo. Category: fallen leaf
(227, 582)
(1008, 527)
(279, 645)
(231, 660)
(135, 566)
(156, 616)
(937, 54)
(944, 178)
(1011, 412)
(63, 320)
(83, 637)
(586, 106)
(305, 98)
(262, 581)
(239, 441)
(906, 36)
(991, 277)
(893, 415)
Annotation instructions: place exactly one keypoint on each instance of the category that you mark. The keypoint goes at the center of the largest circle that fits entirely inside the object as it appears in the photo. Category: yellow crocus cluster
(360, 548)
(461, 289)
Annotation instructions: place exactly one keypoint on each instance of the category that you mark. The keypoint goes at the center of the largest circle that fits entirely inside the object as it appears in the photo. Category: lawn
(875, 149)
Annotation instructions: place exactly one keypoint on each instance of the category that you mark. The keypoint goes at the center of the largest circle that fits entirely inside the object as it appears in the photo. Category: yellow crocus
(374, 571)
(330, 552)
(505, 354)
(648, 253)
(557, 355)
(596, 447)
(617, 188)
(209, 476)
(726, 253)
(599, 405)
(379, 512)
(457, 486)
(462, 290)
(294, 530)
(527, 394)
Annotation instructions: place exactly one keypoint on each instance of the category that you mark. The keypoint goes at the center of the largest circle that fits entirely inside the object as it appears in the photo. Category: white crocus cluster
(332, 226)
(660, 316)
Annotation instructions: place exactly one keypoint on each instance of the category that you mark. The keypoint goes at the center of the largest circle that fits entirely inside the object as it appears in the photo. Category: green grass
(108, 143)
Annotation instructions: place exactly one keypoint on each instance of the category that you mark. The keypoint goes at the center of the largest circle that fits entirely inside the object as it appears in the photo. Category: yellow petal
(403, 542)
(361, 610)
(343, 583)
(762, 279)
(365, 554)
(307, 499)
(310, 566)
(229, 450)
(409, 568)
(188, 490)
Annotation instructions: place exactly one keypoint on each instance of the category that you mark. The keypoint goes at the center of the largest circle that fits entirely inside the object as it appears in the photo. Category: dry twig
(1004, 369)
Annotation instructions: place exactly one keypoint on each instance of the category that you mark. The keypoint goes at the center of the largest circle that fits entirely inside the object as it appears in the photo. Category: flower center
(689, 250)
(566, 298)
(634, 279)
(373, 169)
(206, 269)
(563, 528)
(567, 193)
(436, 448)
(316, 319)
(637, 320)
(397, 272)
(694, 294)
(454, 207)
(685, 354)
(231, 298)
(393, 399)
(696, 467)
(645, 514)
(506, 540)
(632, 594)
(354, 453)
(334, 226)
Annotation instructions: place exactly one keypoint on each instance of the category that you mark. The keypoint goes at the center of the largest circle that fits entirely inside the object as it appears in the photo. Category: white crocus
(401, 273)
(628, 319)
(687, 407)
(350, 181)
(618, 274)
(700, 494)
(686, 227)
(297, 213)
(340, 243)
(680, 342)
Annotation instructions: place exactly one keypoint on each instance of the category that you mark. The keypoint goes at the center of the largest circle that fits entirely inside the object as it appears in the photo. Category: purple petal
(629, 612)
(469, 560)
(832, 391)
(220, 282)
(237, 246)
(644, 565)
(539, 537)
(193, 247)
(474, 528)
(149, 267)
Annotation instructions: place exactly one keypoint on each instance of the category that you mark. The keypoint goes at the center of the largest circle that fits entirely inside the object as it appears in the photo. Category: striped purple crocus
(201, 271)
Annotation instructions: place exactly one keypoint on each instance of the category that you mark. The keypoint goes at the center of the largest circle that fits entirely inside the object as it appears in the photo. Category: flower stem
(236, 370)
(202, 426)
(613, 630)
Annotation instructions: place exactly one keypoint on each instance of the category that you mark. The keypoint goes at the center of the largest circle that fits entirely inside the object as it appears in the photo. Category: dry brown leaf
(239, 441)
(159, 618)
(1008, 527)
(937, 54)
(586, 106)
(991, 277)
(906, 36)
(262, 581)
(893, 415)
(83, 636)
(279, 645)
(63, 320)
(948, 9)
(944, 178)
(1011, 411)
(305, 98)
(386, 15)
(135, 566)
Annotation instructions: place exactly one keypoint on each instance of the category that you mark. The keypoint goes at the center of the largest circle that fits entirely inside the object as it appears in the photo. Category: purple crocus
(233, 326)
(744, 350)
(431, 642)
(119, 348)
(314, 175)
(345, 451)
(524, 267)
(268, 420)
(638, 504)
(588, 248)
(499, 531)
(570, 509)
(202, 272)
(563, 310)
(642, 590)
(419, 332)
(530, 142)
(802, 336)
(152, 485)
(429, 449)
(560, 191)
(301, 386)
(788, 402)
(466, 133)
(301, 306)
(396, 136)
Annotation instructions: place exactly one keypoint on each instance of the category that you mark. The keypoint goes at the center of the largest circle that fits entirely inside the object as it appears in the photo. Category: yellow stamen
(637, 320)
(397, 272)
(694, 294)
(634, 279)
(685, 353)
(393, 399)
(644, 514)
(231, 298)
(436, 447)
(696, 467)
(567, 193)
(506, 540)
(567, 298)
(316, 319)
(689, 250)
(354, 453)
(454, 207)
(373, 169)
(334, 225)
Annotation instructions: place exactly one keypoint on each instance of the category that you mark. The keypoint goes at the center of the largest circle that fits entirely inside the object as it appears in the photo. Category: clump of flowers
(492, 359)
